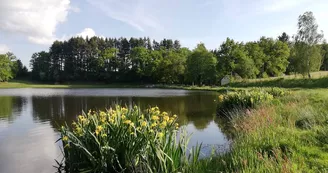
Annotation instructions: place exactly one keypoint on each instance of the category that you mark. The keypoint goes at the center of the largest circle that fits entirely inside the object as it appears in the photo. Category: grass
(287, 135)
(318, 80)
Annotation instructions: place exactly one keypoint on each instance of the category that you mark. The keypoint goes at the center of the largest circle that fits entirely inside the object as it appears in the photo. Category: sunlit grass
(285, 136)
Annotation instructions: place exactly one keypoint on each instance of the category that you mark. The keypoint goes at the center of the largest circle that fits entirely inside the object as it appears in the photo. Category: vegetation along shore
(275, 106)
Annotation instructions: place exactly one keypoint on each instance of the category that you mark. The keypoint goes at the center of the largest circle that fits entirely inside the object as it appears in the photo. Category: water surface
(29, 119)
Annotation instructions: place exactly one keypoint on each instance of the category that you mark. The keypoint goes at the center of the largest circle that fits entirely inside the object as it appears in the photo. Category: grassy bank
(30, 84)
(289, 134)
(318, 80)
(275, 131)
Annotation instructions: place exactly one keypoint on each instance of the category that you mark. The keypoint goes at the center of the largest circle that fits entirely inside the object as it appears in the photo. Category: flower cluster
(117, 131)
(243, 99)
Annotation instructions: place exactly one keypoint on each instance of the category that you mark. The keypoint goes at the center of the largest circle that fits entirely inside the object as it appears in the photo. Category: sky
(29, 26)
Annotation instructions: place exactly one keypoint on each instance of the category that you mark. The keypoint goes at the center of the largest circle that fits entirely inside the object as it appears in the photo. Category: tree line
(140, 60)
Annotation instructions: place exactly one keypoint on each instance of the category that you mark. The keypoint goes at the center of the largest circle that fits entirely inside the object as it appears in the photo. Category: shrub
(274, 91)
(243, 99)
(126, 140)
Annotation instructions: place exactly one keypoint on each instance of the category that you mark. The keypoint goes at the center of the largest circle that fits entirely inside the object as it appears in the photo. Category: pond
(29, 119)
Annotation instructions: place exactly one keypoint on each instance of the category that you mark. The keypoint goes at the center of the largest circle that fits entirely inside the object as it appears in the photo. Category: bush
(243, 99)
(275, 91)
(126, 140)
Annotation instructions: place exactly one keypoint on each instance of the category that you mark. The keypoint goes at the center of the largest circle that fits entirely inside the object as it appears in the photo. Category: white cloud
(4, 48)
(35, 19)
(87, 32)
(136, 13)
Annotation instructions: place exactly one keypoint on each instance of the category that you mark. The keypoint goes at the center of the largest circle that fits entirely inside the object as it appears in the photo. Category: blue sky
(31, 26)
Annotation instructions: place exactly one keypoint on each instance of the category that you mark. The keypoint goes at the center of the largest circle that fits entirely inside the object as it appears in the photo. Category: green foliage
(276, 59)
(126, 140)
(5, 68)
(243, 99)
(269, 138)
(307, 57)
(266, 57)
(201, 66)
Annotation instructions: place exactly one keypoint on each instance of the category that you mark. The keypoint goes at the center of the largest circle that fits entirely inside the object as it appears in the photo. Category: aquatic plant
(243, 99)
(126, 140)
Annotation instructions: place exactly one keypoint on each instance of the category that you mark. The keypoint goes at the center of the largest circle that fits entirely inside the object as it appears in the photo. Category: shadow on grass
(286, 83)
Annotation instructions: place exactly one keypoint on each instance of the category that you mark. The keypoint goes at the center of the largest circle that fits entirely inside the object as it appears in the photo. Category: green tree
(41, 63)
(201, 66)
(276, 57)
(284, 37)
(307, 54)
(324, 53)
(5, 68)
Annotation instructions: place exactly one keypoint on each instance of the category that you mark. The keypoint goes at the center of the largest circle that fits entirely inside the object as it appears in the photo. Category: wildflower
(221, 98)
(111, 121)
(163, 125)
(78, 131)
(124, 110)
(132, 124)
(164, 113)
(155, 118)
(153, 125)
(123, 117)
(170, 121)
(143, 124)
(81, 117)
(104, 135)
(166, 118)
(84, 121)
(65, 138)
(102, 114)
(102, 120)
(176, 124)
(99, 129)
(175, 116)
(160, 134)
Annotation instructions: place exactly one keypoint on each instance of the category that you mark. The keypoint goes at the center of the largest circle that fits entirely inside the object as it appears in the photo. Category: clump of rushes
(275, 91)
(242, 99)
(126, 140)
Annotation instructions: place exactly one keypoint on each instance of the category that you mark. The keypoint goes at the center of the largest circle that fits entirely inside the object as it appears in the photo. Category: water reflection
(196, 109)
(29, 119)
